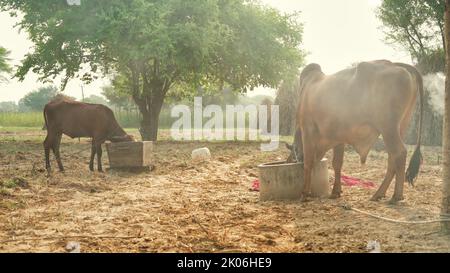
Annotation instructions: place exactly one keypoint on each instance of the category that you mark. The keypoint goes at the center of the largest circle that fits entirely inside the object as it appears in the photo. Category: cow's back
(360, 94)
(77, 119)
(352, 105)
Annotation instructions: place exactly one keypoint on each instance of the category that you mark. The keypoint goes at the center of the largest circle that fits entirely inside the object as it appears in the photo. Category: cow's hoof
(377, 198)
(395, 199)
(335, 195)
(304, 198)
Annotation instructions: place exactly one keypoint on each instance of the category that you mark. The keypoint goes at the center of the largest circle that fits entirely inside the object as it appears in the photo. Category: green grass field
(36, 119)
(32, 119)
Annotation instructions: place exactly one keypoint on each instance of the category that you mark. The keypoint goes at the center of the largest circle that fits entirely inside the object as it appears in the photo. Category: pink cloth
(255, 185)
(351, 182)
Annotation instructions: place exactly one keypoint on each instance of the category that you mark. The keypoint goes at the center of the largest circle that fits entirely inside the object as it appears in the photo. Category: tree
(60, 97)
(36, 100)
(287, 99)
(417, 25)
(156, 44)
(4, 66)
(446, 171)
(118, 96)
(95, 100)
(8, 106)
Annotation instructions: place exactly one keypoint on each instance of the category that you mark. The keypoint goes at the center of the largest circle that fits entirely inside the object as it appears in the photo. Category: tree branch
(418, 41)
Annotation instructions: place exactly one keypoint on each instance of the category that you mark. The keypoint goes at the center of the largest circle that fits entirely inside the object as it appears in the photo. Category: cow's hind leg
(91, 162)
(397, 151)
(47, 145)
(99, 156)
(381, 192)
(338, 160)
(55, 148)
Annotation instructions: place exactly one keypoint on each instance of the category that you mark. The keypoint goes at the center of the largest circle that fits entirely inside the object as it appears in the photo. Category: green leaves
(263, 46)
(417, 25)
(151, 46)
(4, 66)
(239, 42)
(36, 100)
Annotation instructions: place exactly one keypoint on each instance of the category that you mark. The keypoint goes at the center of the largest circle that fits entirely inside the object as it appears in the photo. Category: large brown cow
(355, 106)
(77, 119)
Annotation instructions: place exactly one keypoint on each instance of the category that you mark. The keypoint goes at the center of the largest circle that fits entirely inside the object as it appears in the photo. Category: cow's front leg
(308, 165)
(91, 162)
(338, 161)
(306, 192)
(47, 145)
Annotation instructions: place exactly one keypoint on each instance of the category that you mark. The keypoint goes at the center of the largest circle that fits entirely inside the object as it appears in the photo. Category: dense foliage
(152, 45)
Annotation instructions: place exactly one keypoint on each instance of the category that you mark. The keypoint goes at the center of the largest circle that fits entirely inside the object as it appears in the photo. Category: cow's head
(309, 74)
(124, 138)
(296, 155)
(310, 71)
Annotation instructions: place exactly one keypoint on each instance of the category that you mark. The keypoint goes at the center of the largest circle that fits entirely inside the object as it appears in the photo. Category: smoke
(435, 85)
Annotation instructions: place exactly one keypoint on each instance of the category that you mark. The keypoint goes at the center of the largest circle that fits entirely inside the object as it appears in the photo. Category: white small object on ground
(200, 155)
(373, 247)
(73, 247)
(74, 2)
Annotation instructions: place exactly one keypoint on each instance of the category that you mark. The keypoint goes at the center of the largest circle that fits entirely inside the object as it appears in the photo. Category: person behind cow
(76, 120)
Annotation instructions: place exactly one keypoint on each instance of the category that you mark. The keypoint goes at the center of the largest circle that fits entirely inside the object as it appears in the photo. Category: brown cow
(77, 119)
(355, 106)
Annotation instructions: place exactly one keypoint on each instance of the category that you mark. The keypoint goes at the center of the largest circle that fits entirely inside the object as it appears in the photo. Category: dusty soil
(185, 207)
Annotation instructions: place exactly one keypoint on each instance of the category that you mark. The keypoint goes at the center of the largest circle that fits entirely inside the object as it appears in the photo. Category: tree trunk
(149, 89)
(149, 125)
(446, 137)
(150, 107)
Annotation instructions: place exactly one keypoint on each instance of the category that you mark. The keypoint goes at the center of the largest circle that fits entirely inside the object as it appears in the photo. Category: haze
(337, 33)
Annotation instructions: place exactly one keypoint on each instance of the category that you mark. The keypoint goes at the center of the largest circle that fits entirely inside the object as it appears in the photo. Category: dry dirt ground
(186, 207)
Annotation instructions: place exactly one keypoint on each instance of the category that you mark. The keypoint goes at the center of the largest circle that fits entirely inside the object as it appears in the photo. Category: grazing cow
(355, 106)
(77, 119)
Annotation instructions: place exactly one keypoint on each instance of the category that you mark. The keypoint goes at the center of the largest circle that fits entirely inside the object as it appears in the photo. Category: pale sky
(337, 33)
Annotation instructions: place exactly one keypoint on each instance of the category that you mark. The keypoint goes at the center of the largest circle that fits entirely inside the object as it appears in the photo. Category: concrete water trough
(284, 181)
(130, 155)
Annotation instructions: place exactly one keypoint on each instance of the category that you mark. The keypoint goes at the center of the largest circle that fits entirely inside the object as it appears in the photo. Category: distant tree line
(35, 100)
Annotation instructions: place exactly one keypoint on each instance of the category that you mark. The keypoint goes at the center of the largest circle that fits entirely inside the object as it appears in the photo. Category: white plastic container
(201, 155)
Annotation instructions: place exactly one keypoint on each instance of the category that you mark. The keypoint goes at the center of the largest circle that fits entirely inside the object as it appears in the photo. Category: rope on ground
(62, 237)
(446, 218)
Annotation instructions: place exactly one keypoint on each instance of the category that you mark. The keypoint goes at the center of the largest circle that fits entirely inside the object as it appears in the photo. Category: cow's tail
(416, 160)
